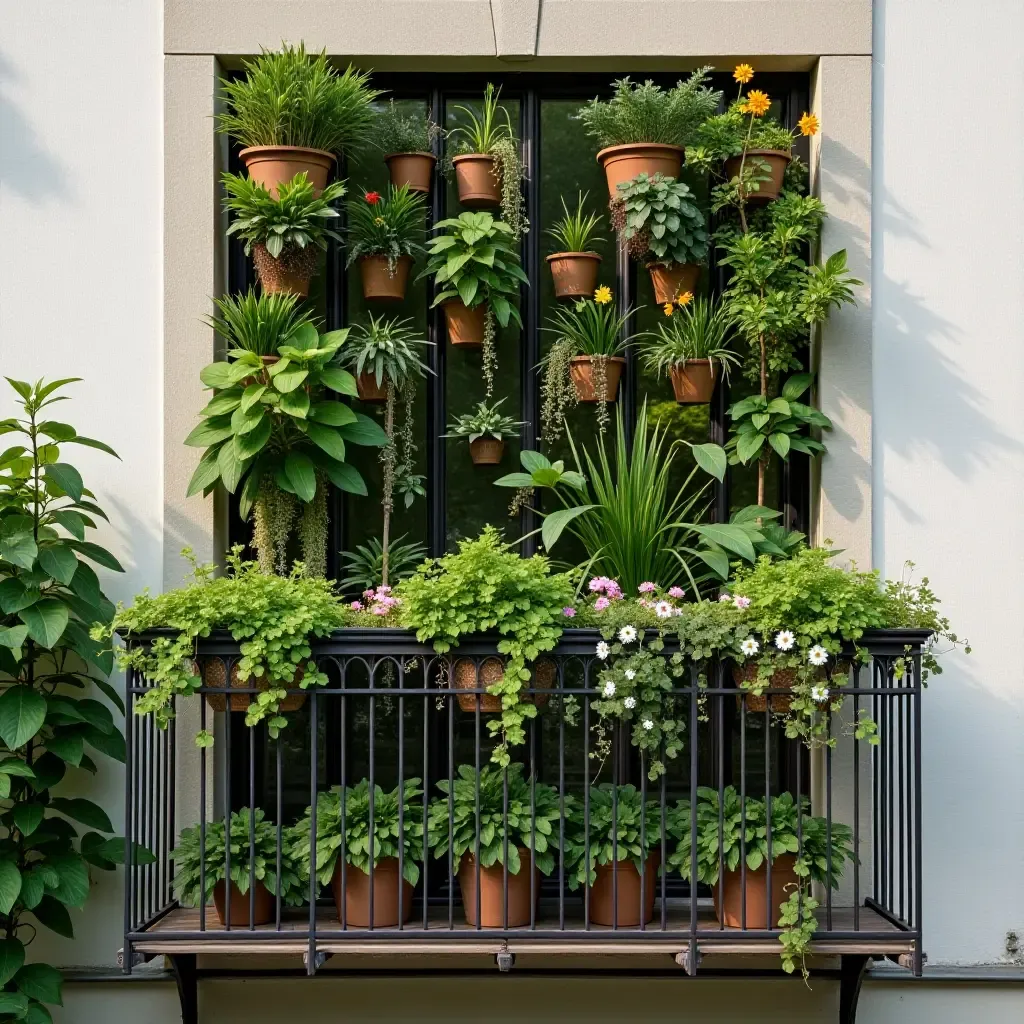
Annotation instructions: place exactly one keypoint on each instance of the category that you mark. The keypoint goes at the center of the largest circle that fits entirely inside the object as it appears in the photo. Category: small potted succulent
(285, 234)
(575, 265)
(200, 859)
(407, 142)
(660, 225)
(385, 235)
(485, 429)
(691, 346)
(643, 129)
(294, 113)
(622, 837)
(521, 841)
(342, 850)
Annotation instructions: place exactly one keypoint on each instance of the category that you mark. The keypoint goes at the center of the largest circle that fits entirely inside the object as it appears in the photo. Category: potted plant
(385, 232)
(643, 129)
(202, 866)
(661, 225)
(407, 142)
(485, 429)
(286, 233)
(574, 265)
(479, 276)
(364, 565)
(485, 842)
(294, 113)
(485, 160)
(343, 838)
(691, 346)
(621, 835)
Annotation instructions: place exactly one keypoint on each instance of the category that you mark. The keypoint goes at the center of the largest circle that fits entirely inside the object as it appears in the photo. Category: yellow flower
(685, 298)
(743, 73)
(668, 308)
(378, 220)
(757, 103)
(603, 295)
(809, 124)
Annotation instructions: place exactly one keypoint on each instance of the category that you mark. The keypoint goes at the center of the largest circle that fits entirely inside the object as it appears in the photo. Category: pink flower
(569, 612)
(383, 589)
(724, 597)
(676, 592)
(648, 587)
(356, 606)
(378, 609)
(741, 602)
(613, 591)
(601, 603)
(369, 594)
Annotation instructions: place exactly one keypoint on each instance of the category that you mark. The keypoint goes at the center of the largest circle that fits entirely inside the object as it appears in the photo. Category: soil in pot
(615, 894)
(693, 381)
(574, 274)
(413, 169)
(586, 378)
(729, 892)
(624, 163)
(777, 161)
(271, 165)
(491, 670)
(486, 451)
(264, 905)
(492, 888)
(465, 324)
(369, 390)
(290, 272)
(478, 185)
(672, 280)
(385, 895)
(379, 282)
(213, 673)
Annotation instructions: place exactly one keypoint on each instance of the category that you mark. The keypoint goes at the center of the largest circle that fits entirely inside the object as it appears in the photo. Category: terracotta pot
(465, 325)
(782, 679)
(777, 160)
(694, 381)
(385, 895)
(270, 165)
(581, 370)
(379, 282)
(212, 672)
(729, 905)
(492, 888)
(478, 184)
(574, 273)
(624, 163)
(672, 280)
(368, 389)
(264, 906)
(615, 894)
(413, 169)
(491, 670)
(486, 451)
(290, 272)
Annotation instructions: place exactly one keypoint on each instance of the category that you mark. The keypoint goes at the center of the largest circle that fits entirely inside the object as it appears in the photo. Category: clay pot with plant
(485, 428)
(407, 142)
(575, 265)
(385, 236)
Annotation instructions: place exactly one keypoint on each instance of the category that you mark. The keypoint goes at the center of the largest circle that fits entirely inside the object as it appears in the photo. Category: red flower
(373, 198)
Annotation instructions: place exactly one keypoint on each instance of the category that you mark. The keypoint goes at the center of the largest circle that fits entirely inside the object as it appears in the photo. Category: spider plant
(698, 330)
(386, 348)
(364, 566)
(576, 232)
(482, 133)
(485, 421)
(590, 328)
(258, 323)
(390, 226)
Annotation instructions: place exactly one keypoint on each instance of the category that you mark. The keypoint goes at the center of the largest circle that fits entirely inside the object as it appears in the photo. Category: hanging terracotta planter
(478, 184)
(671, 280)
(491, 670)
(289, 273)
(271, 165)
(379, 282)
(486, 451)
(369, 390)
(413, 169)
(615, 901)
(777, 161)
(729, 895)
(694, 381)
(492, 891)
(624, 163)
(582, 372)
(385, 895)
(213, 674)
(465, 324)
(264, 905)
(574, 273)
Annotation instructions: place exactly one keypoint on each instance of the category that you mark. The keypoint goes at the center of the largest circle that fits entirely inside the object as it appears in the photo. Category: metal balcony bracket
(319, 959)
(851, 976)
(505, 960)
(689, 959)
(186, 977)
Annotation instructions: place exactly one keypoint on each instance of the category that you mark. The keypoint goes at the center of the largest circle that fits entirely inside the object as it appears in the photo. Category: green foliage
(354, 836)
(701, 329)
(258, 322)
(485, 421)
(486, 586)
(293, 221)
(708, 629)
(590, 328)
(537, 832)
(364, 565)
(726, 135)
(386, 348)
(289, 98)
(253, 847)
(764, 536)
(391, 225)
(659, 221)
(648, 113)
(576, 231)
(395, 132)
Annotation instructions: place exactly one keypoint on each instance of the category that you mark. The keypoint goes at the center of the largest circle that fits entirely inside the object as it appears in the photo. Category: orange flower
(685, 298)
(743, 73)
(757, 103)
(809, 124)
(668, 308)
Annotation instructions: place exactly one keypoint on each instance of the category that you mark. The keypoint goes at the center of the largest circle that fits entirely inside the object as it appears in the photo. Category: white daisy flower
(603, 650)
(648, 724)
(817, 655)
(627, 634)
(750, 647)
(663, 609)
(819, 693)
(785, 640)
(630, 703)
(609, 689)
(630, 674)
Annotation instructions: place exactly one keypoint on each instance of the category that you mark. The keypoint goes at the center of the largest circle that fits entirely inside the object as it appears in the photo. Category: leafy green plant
(395, 132)
(730, 134)
(701, 329)
(390, 226)
(486, 586)
(253, 847)
(258, 322)
(364, 566)
(492, 828)
(659, 221)
(485, 421)
(49, 596)
(353, 840)
(648, 113)
(576, 231)
(385, 348)
(291, 98)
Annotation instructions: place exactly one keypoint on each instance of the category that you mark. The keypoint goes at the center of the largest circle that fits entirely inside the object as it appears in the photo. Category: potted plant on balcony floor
(385, 238)
(483, 845)
(294, 113)
(574, 265)
(407, 142)
(485, 429)
(285, 234)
